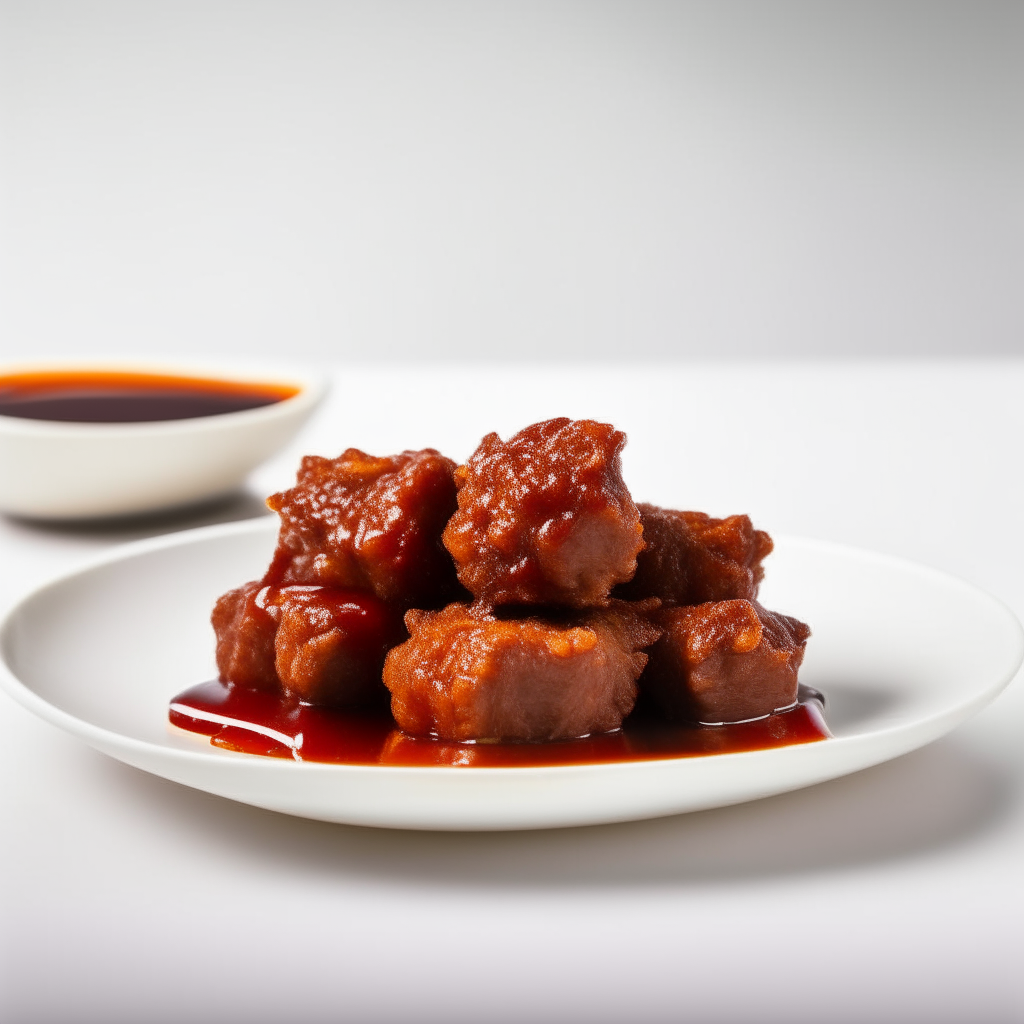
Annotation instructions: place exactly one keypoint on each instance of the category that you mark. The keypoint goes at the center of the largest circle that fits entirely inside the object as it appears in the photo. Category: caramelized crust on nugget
(724, 661)
(545, 518)
(467, 675)
(369, 523)
(330, 644)
(690, 557)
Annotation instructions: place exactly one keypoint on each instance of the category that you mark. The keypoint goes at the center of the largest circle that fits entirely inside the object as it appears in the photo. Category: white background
(543, 182)
(497, 181)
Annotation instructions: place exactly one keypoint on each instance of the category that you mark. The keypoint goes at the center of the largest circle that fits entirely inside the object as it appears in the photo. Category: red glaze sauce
(101, 396)
(259, 722)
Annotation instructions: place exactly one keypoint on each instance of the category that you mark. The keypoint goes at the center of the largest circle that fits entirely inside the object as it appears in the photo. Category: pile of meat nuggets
(522, 596)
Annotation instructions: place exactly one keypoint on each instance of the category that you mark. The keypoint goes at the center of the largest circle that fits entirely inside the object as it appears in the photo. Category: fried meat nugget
(319, 644)
(330, 644)
(369, 523)
(545, 518)
(690, 558)
(724, 661)
(245, 626)
(467, 675)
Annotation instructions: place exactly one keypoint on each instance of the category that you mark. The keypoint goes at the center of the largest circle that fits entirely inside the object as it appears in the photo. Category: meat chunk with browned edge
(724, 661)
(690, 558)
(245, 626)
(466, 674)
(331, 644)
(545, 518)
(367, 523)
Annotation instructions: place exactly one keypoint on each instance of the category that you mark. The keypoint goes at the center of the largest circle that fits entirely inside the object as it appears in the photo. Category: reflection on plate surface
(903, 652)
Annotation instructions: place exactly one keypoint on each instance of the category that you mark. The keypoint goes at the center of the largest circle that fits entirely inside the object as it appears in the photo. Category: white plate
(903, 653)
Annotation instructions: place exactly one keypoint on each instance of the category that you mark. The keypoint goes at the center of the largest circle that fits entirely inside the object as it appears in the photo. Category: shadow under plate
(932, 798)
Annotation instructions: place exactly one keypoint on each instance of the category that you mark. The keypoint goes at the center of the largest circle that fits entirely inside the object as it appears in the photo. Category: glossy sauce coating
(371, 523)
(330, 645)
(254, 722)
(505, 569)
(545, 517)
(83, 396)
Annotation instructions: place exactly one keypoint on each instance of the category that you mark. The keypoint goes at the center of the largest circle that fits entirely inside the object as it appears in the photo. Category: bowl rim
(313, 385)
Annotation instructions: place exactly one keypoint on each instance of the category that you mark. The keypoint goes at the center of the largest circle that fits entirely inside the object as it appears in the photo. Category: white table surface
(891, 895)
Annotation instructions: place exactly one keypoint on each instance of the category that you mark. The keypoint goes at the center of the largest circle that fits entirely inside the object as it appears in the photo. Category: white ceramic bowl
(53, 470)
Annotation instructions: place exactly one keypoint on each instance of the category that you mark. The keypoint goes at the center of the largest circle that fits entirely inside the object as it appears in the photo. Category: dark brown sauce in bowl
(272, 725)
(113, 396)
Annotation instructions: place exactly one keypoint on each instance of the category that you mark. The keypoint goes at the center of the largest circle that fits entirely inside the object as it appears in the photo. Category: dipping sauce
(273, 725)
(110, 396)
